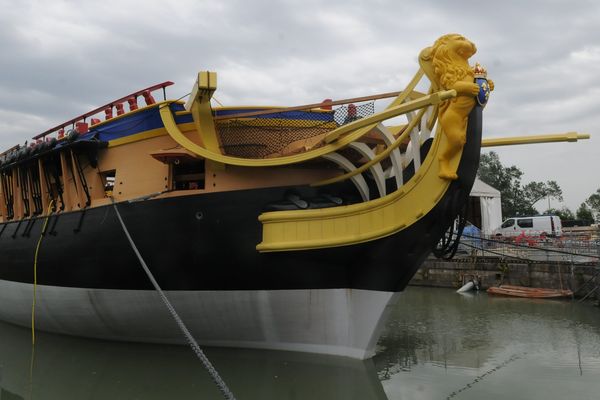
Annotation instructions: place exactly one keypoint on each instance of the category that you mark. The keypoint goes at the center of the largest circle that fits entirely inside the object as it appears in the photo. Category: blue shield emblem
(484, 91)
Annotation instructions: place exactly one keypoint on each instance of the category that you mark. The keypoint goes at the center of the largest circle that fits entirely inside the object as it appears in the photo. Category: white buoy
(466, 287)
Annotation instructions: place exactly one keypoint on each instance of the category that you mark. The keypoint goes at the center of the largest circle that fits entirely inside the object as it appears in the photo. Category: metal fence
(573, 249)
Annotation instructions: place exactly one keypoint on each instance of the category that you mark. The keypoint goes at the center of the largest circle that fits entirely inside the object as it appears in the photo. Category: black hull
(207, 242)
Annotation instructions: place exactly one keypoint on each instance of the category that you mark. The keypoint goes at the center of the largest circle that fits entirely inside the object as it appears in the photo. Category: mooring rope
(479, 378)
(191, 341)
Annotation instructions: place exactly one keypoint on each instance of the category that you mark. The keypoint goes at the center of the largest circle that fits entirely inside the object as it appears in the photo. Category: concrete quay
(493, 271)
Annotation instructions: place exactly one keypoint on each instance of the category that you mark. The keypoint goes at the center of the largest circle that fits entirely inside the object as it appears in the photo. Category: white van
(549, 225)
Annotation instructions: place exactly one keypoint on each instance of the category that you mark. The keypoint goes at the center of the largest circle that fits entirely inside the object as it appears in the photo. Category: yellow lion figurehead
(449, 55)
(446, 65)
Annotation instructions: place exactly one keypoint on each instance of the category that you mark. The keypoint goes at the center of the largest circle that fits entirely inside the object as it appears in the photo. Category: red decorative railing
(131, 99)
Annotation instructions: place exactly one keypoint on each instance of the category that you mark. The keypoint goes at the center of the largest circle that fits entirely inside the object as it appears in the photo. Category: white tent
(491, 208)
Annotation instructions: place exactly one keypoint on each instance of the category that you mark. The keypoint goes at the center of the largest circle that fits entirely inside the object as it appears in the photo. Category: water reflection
(439, 344)
(73, 368)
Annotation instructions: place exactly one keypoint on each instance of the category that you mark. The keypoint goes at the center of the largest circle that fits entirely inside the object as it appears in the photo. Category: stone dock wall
(581, 279)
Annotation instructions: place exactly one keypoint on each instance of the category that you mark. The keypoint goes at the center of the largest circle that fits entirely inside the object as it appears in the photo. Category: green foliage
(506, 180)
(564, 213)
(584, 213)
(517, 200)
(594, 203)
(535, 191)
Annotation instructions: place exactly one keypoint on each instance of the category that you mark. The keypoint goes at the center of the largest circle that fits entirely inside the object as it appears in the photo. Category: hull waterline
(349, 321)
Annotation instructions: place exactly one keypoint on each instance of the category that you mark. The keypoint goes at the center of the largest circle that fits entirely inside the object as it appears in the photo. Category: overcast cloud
(63, 58)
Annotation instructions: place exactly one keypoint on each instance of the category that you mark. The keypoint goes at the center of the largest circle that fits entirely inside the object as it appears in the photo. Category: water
(443, 345)
(437, 345)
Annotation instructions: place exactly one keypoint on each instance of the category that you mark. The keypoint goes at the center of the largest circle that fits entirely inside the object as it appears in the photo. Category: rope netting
(285, 132)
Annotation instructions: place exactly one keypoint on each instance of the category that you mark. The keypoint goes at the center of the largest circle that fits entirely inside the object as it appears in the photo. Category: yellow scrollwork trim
(350, 133)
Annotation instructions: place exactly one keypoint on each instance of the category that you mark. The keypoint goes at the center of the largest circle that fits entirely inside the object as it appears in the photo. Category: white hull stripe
(345, 322)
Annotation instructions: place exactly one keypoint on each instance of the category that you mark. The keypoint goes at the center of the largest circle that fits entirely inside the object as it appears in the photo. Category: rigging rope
(190, 339)
(448, 244)
(35, 258)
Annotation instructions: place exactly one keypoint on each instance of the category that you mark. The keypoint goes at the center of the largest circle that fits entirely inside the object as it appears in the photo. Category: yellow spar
(511, 141)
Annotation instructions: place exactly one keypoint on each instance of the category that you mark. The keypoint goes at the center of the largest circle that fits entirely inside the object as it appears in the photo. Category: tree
(506, 180)
(516, 200)
(584, 213)
(564, 213)
(536, 191)
(594, 203)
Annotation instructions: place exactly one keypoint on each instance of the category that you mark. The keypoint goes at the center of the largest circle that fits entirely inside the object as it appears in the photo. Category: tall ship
(286, 228)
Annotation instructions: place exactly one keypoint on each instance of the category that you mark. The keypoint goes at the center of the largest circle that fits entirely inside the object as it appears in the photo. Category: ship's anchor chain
(190, 339)
(448, 244)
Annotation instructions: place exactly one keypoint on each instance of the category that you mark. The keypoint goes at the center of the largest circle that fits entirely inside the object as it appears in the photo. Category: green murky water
(437, 345)
(443, 345)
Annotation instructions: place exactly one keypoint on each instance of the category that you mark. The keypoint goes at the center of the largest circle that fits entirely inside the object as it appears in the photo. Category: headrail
(347, 134)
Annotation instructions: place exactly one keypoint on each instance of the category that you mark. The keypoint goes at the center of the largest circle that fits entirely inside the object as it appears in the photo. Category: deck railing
(108, 109)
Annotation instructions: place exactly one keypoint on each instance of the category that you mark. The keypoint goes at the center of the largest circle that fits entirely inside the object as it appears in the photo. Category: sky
(63, 58)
